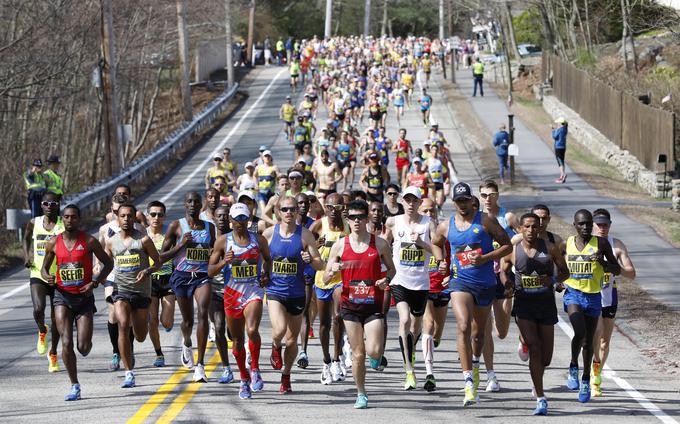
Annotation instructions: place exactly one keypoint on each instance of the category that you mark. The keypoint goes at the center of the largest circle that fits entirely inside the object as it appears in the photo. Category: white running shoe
(187, 357)
(326, 377)
(492, 385)
(336, 372)
(347, 352)
(523, 352)
(199, 374)
(248, 360)
(211, 333)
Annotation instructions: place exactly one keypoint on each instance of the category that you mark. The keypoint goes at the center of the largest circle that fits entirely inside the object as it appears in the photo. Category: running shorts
(78, 304)
(439, 300)
(48, 287)
(539, 309)
(326, 295)
(360, 317)
(293, 305)
(185, 283)
(416, 299)
(590, 303)
(136, 300)
(482, 295)
(609, 311)
(160, 286)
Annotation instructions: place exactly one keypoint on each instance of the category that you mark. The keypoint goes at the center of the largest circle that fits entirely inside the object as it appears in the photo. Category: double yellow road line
(168, 387)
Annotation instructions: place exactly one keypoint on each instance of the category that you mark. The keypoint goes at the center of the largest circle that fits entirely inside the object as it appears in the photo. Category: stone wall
(675, 193)
(600, 146)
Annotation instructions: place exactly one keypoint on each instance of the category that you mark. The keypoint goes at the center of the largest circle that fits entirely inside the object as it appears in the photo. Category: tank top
(610, 296)
(195, 255)
(41, 237)
(244, 270)
(502, 220)
(402, 149)
(265, 179)
(74, 267)
(129, 261)
(436, 279)
(325, 251)
(375, 181)
(287, 265)
(418, 180)
(584, 275)
(529, 269)
(166, 268)
(288, 112)
(217, 282)
(344, 151)
(359, 273)
(410, 261)
(436, 169)
(473, 239)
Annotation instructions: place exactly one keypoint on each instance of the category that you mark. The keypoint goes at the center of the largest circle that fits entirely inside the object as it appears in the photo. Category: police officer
(478, 75)
(53, 180)
(36, 187)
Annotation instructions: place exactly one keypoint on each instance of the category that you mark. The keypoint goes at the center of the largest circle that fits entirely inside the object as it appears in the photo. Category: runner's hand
(229, 256)
(186, 238)
(87, 289)
(51, 279)
(337, 266)
(443, 267)
(559, 287)
(382, 283)
(476, 259)
(264, 280)
(446, 281)
(28, 263)
(141, 275)
(306, 257)
(321, 242)
(546, 280)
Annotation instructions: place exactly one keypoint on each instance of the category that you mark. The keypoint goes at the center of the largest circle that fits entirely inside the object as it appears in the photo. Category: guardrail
(100, 192)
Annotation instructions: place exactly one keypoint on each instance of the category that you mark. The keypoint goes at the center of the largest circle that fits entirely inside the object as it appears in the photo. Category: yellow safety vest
(478, 68)
(54, 182)
(38, 183)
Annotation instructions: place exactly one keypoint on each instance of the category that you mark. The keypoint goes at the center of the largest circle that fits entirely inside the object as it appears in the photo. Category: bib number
(362, 292)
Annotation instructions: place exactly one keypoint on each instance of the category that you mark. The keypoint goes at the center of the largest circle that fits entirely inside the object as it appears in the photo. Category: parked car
(528, 50)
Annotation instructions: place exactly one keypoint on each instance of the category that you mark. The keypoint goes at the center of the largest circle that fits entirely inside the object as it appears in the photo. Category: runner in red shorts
(404, 152)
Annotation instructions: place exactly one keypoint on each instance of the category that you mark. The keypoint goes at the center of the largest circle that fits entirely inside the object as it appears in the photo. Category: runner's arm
(26, 243)
(627, 267)
(96, 248)
(309, 244)
(47, 262)
(497, 233)
(170, 244)
(386, 258)
(265, 275)
(611, 263)
(334, 261)
(216, 263)
(560, 263)
(151, 250)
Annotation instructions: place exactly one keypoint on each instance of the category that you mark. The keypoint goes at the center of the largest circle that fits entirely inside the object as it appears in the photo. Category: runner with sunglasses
(391, 205)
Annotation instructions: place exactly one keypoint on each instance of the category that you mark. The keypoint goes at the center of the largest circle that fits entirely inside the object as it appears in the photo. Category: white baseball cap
(239, 209)
(246, 193)
(415, 191)
(267, 153)
(249, 165)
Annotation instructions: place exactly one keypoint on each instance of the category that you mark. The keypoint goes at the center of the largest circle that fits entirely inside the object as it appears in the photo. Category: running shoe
(256, 382)
(523, 352)
(374, 363)
(493, 385)
(159, 362)
(227, 376)
(129, 381)
(470, 398)
(541, 407)
(475, 377)
(326, 377)
(596, 376)
(199, 374)
(383, 364)
(115, 362)
(430, 383)
(275, 358)
(410, 381)
(347, 352)
(285, 385)
(341, 361)
(42, 341)
(436, 343)
(187, 357)
(311, 333)
(244, 390)
(584, 392)
(53, 363)
(302, 360)
(362, 401)
(595, 390)
(74, 394)
(211, 333)
(336, 372)
(572, 378)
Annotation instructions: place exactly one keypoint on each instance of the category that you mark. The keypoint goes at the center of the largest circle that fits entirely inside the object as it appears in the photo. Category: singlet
(74, 267)
(425, 102)
(374, 181)
(473, 239)
(287, 265)
(418, 180)
(584, 275)
(195, 255)
(166, 268)
(129, 261)
(344, 152)
(436, 170)
(388, 213)
(215, 172)
(325, 251)
(300, 135)
(504, 222)
(610, 296)
(402, 151)
(243, 274)
(528, 269)
(265, 179)
(436, 279)
(41, 237)
(410, 261)
(359, 273)
(288, 112)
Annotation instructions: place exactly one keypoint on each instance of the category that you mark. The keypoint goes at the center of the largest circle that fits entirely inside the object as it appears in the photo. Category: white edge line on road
(623, 384)
(13, 291)
(219, 147)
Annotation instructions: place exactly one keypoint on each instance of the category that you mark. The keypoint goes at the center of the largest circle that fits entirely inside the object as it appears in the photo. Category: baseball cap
(239, 209)
(287, 97)
(414, 191)
(246, 193)
(427, 142)
(53, 159)
(373, 155)
(560, 120)
(218, 158)
(417, 159)
(267, 153)
(462, 191)
(37, 162)
(249, 165)
(263, 148)
(302, 160)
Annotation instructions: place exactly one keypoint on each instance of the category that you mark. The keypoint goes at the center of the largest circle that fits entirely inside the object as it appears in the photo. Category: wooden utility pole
(450, 17)
(441, 20)
(383, 23)
(367, 18)
(329, 18)
(115, 159)
(251, 30)
(183, 39)
(230, 44)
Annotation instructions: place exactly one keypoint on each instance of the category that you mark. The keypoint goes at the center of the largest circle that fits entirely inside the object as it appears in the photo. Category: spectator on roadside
(501, 141)
(280, 48)
(289, 49)
(35, 187)
(478, 75)
(267, 51)
(53, 180)
(559, 135)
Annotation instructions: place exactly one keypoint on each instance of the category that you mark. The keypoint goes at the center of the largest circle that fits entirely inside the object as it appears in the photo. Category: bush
(528, 26)
(585, 59)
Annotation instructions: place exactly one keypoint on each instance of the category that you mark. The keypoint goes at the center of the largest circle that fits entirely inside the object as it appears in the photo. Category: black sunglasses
(288, 209)
(156, 214)
(50, 203)
(356, 217)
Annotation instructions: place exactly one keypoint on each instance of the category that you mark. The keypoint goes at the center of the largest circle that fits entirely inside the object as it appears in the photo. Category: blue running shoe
(129, 381)
(227, 376)
(168, 329)
(257, 383)
(159, 362)
(244, 390)
(541, 407)
(362, 401)
(584, 393)
(75, 393)
(115, 362)
(572, 378)
(374, 363)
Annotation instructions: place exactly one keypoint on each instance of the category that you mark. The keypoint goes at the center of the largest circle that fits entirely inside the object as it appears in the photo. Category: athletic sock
(113, 336)
(467, 376)
(254, 349)
(409, 344)
(240, 356)
(475, 361)
(427, 345)
(490, 374)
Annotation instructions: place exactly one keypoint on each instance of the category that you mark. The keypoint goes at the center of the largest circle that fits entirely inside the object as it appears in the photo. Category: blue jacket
(560, 137)
(501, 140)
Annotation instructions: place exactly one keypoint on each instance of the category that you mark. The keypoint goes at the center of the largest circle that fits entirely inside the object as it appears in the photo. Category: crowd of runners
(335, 240)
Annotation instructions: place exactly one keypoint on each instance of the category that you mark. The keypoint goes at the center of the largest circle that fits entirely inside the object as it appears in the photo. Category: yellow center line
(185, 397)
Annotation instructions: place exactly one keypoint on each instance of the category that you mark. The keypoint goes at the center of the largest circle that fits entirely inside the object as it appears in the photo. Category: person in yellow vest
(39, 231)
(217, 170)
(35, 187)
(53, 180)
(478, 75)
(588, 258)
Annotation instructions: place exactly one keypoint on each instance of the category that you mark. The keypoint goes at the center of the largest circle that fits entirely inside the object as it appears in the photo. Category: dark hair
(529, 215)
(119, 198)
(127, 205)
(125, 186)
(602, 212)
(358, 205)
(540, 207)
(585, 212)
(74, 207)
(394, 186)
(51, 194)
(488, 184)
(155, 204)
(358, 194)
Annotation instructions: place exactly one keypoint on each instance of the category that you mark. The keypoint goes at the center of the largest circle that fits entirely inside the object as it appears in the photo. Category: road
(164, 395)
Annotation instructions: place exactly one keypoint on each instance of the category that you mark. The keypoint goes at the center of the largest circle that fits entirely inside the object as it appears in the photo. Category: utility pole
(183, 39)
(383, 23)
(511, 130)
(115, 158)
(251, 29)
(441, 20)
(450, 17)
(230, 44)
(367, 18)
(329, 19)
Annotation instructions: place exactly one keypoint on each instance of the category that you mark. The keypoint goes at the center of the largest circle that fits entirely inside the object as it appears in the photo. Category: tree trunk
(383, 23)
(230, 43)
(251, 31)
(183, 39)
(367, 17)
(589, 40)
(511, 30)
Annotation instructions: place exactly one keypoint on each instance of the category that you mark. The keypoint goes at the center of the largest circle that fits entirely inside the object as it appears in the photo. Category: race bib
(411, 255)
(463, 254)
(71, 274)
(362, 292)
(197, 255)
(245, 271)
(129, 263)
(284, 266)
(580, 267)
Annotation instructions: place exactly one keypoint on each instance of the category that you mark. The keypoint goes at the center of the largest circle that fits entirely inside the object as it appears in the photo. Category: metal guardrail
(100, 192)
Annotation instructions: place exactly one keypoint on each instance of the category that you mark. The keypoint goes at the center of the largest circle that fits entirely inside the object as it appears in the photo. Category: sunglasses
(392, 193)
(489, 195)
(294, 178)
(156, 214)
(357, 217)
(286, 209)
(336, 207)
(240, 218)
(51, 203)
(115, 211)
